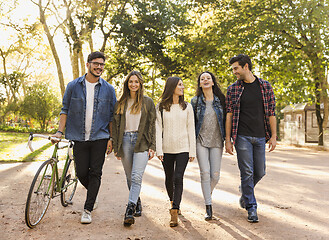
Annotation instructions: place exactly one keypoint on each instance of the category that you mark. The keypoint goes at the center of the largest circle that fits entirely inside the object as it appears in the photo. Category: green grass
(9, 139)
(31, 157)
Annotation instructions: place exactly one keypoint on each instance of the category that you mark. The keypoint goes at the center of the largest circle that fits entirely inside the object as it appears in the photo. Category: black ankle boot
(129, 215)
(208, 215)
(138, 212)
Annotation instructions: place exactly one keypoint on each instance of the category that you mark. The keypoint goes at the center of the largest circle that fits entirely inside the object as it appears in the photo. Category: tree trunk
(3, 56)
(75, 63)
(91, 44)
(153, 81)
(52, 47)
(325, 103)
(82, 63)
(319, 75)
(318, 115)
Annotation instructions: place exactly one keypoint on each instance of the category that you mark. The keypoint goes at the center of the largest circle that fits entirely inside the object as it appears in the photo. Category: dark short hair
(242, 59)
(95, 55)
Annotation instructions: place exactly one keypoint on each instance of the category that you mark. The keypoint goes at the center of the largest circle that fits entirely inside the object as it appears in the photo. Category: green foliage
(40, 103)
(287, 40)
(12, 82)
(20, 129)
(142, 42)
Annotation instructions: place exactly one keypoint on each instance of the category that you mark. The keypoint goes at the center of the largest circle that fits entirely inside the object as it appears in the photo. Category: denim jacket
(199, 108)
(74, 106)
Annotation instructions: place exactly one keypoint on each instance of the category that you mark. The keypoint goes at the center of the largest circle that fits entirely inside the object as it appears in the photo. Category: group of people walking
(174, 130)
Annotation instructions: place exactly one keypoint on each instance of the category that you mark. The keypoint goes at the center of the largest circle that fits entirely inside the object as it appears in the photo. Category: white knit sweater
(178, 131)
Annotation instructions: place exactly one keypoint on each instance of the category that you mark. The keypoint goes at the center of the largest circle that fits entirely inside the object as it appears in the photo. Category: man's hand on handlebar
(58, 135)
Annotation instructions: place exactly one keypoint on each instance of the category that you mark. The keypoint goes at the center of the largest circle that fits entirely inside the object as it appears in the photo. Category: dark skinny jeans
(174, 166)
(89, 157)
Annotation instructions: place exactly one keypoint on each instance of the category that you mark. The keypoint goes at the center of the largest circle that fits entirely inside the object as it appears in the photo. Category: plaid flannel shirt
(233, 96)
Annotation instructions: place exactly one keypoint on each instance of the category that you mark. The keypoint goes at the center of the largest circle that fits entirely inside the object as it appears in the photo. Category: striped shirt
(233, 96)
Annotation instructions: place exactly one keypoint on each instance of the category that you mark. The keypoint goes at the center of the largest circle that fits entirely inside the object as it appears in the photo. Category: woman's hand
(160, 157)
(151, 154)
(118, 158)
(109, 147)
(191, 159)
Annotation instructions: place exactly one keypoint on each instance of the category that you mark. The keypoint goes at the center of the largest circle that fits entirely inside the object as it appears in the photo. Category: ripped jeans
(209, 160)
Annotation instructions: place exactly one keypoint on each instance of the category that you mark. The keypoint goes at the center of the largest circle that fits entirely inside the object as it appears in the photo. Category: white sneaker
(96, 203)
(86, 216)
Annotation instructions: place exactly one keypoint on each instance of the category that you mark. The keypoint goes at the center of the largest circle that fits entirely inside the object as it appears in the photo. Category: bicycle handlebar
(69, 145)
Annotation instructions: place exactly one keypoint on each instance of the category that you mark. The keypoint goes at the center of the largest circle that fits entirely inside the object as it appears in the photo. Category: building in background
(299, 125)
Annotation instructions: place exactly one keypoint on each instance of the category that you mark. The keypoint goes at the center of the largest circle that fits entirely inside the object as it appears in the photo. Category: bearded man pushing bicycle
(87, 113)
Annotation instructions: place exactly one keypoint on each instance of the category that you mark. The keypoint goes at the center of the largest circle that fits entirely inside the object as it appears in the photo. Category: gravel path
(293, 203)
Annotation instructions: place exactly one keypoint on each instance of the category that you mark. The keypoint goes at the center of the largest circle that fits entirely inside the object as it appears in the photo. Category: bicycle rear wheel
(40, 194)
(69, 184)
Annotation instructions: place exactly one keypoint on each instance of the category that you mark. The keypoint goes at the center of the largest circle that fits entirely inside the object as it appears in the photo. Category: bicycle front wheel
(69, 184)
(40, 194)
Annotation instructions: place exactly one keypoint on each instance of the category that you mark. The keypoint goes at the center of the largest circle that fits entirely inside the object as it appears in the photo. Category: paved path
(293, 203)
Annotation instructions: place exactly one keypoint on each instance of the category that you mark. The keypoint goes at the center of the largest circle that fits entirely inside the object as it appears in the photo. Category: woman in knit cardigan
(134, 138)
(175, 140)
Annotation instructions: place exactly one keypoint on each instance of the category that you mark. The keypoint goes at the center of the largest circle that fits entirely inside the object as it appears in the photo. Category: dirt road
(293, 203)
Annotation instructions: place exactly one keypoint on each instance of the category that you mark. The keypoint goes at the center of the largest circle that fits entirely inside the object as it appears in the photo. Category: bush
(41, 104)
(24, 129)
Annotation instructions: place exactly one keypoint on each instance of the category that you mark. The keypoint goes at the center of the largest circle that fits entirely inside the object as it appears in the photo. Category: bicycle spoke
(69, 184)
(40, 194)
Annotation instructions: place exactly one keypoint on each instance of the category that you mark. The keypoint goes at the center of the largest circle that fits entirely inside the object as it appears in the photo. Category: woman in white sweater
(175, 140)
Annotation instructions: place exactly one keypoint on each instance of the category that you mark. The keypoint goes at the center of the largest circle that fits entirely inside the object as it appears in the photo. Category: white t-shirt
(132, 120)
(90, 93)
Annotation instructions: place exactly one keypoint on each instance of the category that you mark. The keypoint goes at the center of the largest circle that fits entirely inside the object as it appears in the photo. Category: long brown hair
(137, 105)
(215, 88)
(168, 92)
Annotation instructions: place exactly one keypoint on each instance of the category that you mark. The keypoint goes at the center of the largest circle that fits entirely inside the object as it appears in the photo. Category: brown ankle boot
(174, 217)
(179, 212)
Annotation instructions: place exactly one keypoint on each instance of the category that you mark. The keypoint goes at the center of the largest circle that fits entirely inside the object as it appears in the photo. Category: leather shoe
(129, 215)
(252, 216)
(208, 215)
(138, 212)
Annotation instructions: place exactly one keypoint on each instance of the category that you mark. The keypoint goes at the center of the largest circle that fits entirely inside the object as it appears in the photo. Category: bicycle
(47, 182)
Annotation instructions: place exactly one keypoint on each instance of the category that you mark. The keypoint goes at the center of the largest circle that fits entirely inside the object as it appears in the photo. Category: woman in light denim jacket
(209, 115)
(134, 138)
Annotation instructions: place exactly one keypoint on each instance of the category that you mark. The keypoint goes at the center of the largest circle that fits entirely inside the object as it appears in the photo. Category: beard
(92, 73)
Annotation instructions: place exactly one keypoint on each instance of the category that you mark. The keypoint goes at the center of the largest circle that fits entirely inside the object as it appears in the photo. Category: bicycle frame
(48, 182)
(59, 181)
(55, 173)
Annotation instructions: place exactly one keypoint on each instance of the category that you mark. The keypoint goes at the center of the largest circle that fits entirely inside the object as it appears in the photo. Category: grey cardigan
(146, 128)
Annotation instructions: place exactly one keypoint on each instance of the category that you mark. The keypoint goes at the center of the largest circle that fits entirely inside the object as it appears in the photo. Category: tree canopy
(288, 42)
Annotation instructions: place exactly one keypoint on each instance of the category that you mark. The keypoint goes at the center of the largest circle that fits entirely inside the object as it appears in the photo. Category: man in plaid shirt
(250, 123)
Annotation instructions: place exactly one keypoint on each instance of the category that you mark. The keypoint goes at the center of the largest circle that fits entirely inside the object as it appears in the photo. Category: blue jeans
(134, 165)
(209, 160)
(251, 161)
